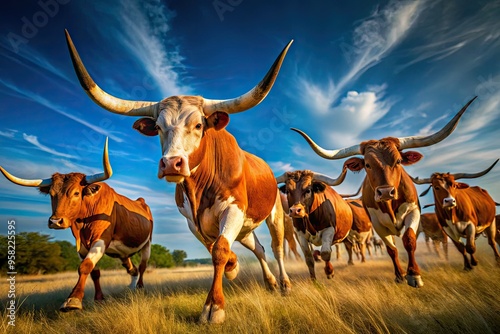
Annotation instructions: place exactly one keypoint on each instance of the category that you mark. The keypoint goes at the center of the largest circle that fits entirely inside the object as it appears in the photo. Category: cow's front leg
(461, 248)
(470, 245)
(349, 247)
(308, 255)
(326, 250)
(491, 234)
(393, 253)
(74, 301)
(230, 226)
(145, 254)
(412, 222)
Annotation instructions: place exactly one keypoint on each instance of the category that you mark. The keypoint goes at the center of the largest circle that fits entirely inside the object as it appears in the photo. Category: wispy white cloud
(8, 133)
(32, 96)
(280, 166)
(372, 40)
(444, 33)
(145, 28)
(34, 141)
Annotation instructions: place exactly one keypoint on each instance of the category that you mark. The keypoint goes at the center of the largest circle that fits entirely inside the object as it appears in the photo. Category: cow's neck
(216, 166)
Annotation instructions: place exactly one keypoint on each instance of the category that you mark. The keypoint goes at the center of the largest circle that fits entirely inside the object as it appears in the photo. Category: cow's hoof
(415, 281)
(351, 263)
(71, 304)
(330, 276)
(230, 275)
(467, 268)
(286, 287)
(212, 314)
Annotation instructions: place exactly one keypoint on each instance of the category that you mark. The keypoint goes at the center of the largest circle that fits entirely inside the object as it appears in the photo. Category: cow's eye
(198, 126)
(368, 166)
(308, 192)
(76, 193)
(436, 188)
(398, 162)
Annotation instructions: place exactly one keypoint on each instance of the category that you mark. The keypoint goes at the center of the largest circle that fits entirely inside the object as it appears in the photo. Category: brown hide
(225, 170)
(111, 216)
(360, 220)
(432, 229)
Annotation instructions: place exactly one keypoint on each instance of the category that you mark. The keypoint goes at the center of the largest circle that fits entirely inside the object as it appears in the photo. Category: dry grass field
(360, 299)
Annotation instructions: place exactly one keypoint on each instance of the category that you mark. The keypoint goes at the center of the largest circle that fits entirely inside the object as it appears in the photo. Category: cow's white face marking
(180, 134)
(384, 225)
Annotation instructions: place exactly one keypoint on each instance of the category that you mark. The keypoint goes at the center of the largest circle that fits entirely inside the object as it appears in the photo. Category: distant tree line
(36, 253)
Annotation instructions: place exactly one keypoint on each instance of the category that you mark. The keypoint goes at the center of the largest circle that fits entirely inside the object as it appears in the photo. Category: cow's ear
(318, 187)
(218, 120)
(146, 126)
(283, 189)
(44, 190)
(355, 164)
(410, 157)
(461, 185)
(91, 189)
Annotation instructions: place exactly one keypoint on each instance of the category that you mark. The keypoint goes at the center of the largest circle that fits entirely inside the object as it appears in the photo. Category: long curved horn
(107, 168)
(352, 195)
(474, 175)
(103, 99)
(25, 182)
(282, 178)
(422, 141)
(330, 181)
(330, 154)
(418, 180)
(252, 97)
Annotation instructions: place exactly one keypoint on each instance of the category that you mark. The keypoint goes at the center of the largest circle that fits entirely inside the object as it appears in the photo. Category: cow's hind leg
(74, 301)
(145, 254)
(95, 274)
(491, 232)
(252, 243)
(349, 247)
(276, 224)
(132, 271)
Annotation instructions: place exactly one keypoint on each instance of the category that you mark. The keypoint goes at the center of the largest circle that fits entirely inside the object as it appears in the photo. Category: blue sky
(357, 70)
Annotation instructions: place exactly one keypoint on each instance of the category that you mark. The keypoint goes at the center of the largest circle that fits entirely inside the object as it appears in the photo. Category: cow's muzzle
(297, 211)
(173, 169)
(449, 203)
(57, 223)
(385, 193)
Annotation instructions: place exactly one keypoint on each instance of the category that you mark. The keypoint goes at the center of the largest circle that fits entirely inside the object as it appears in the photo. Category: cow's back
(476, 205)
(132, 219)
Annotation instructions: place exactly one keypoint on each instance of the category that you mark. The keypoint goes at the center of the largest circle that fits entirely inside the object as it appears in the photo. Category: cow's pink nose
(296, 211)
(386, 193)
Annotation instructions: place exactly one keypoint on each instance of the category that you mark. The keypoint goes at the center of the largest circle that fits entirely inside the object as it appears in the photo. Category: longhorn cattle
(222, 191)
(102, 222)
(432, 230)
(389, 195)
(320, 216)
(463, 211)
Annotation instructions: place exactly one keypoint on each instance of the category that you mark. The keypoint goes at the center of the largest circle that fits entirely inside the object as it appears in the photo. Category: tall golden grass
(360, 299)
